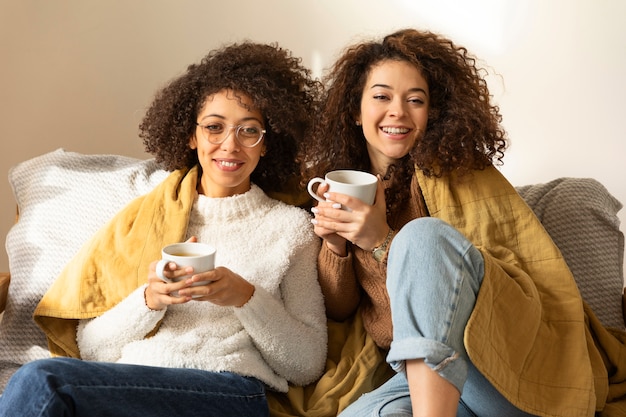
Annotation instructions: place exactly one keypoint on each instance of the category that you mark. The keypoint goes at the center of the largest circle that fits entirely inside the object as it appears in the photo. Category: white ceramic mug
(359, 184)
(200, 256)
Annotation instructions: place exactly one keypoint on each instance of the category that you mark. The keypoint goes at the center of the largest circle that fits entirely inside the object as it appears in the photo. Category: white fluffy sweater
(279, 335)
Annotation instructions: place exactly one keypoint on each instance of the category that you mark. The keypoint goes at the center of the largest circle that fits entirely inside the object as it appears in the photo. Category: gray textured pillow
(63, 198)
(581, 217)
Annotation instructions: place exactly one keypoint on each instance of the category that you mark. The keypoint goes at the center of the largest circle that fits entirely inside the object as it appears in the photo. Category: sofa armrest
(5, 278)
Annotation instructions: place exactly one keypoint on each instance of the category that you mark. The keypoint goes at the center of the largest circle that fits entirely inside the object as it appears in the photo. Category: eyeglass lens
(247, 135)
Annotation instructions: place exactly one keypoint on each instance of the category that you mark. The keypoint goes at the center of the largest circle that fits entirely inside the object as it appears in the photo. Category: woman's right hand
(364, 225)
(334, 242)
(157, 293)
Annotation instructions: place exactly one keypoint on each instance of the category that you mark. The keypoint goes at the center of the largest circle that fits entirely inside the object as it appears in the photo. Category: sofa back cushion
(581, 217)
(64, 197)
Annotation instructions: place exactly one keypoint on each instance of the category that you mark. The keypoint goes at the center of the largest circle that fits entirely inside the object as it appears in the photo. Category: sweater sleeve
(341, 290)
(103, 337)
(290, 330)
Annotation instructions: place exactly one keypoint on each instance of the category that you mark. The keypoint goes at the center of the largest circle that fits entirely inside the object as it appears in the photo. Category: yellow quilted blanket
(514, 308)
(354, 366)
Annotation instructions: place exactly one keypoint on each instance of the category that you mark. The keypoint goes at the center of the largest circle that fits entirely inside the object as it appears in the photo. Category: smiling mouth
(228, 165)
(395, 130)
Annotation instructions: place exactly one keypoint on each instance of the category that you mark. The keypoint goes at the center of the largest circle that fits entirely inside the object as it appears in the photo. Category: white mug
(359, 184)
(200, 256)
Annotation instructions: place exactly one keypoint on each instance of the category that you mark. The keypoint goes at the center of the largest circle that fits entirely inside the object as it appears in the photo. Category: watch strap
(379, 252)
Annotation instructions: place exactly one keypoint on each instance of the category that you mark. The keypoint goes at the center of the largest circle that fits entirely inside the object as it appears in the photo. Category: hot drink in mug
(200, 256)
(359, 184)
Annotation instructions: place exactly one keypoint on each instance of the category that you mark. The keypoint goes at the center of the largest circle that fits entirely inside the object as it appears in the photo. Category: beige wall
(78, 74)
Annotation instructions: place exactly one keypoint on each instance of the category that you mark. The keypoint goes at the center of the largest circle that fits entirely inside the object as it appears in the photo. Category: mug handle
(310, 185)
(160, 266)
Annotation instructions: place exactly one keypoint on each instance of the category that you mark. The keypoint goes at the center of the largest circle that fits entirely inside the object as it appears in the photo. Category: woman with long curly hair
(454, 276)
(229, 129)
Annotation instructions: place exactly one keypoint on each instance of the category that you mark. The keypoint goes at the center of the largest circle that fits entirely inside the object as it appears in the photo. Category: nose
(230, 143)
(396, 107)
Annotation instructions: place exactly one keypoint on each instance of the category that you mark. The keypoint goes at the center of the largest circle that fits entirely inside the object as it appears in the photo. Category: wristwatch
(379, 252)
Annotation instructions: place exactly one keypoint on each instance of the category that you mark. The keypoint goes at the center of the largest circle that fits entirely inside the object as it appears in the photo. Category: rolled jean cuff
(439, 357)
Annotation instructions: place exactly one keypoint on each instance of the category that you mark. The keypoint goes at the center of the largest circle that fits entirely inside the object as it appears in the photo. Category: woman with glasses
(228, 129)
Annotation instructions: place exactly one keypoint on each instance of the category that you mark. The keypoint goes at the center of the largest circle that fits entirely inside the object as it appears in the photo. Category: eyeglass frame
(230, 129)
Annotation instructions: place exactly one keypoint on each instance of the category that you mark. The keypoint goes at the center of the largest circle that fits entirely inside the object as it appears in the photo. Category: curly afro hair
(278, 86)
(463, 131)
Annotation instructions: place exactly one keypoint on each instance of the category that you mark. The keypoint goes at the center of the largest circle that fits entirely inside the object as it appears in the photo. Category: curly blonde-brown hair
(275, 81)
(463, 131)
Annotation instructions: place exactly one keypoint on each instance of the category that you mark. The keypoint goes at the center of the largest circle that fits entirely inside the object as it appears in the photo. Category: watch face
(379, 252)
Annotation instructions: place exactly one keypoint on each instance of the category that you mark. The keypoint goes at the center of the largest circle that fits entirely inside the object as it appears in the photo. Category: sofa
(64, 197)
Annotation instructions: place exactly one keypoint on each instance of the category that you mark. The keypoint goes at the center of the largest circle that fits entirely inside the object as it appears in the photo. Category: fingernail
(336, 205)
(314, 221)
(315, 210)
(326, 195)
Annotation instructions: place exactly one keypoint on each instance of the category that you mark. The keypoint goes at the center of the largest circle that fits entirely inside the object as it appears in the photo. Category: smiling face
(226, 167)
(394, 111)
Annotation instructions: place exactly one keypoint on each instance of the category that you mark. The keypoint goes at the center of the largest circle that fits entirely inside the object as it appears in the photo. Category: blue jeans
(71, 387)
(392, 399)
(433, 277)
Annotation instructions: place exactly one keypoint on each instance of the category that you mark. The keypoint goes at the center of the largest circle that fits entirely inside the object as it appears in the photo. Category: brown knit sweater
(358, 279)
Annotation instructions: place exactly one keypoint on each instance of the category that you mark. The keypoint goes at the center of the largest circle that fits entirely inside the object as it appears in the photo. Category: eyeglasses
(246, 135)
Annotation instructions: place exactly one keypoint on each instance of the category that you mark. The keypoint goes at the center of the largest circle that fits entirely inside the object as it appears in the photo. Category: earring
(358, 123)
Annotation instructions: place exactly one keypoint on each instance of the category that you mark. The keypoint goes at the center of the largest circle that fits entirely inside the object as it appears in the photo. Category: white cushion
(63, 198)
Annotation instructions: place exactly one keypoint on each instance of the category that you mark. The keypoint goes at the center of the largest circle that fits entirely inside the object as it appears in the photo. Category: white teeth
(228, 164)
(395, 130)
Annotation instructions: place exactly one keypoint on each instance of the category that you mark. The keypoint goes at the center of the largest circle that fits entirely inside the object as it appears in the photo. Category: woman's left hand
(364, 226)
(225, 288)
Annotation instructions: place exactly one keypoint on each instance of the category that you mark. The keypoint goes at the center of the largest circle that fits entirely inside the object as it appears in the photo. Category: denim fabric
(479, 399)
(433, 277)
(389, 400)
(71, 387)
